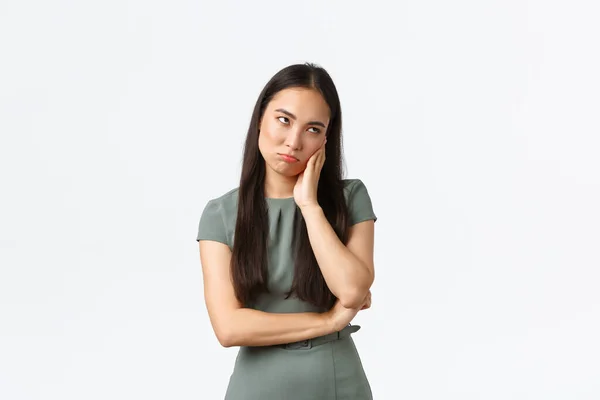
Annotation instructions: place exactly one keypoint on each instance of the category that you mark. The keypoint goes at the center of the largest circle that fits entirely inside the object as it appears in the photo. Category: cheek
(270, 134)
(312, 146)
(267, 143)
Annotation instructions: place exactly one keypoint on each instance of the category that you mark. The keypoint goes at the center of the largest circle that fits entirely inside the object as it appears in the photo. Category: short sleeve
(212, 226)
(360, 207)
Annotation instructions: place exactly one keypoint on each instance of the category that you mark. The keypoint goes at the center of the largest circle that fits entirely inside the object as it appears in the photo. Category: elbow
(225, 341)
(349, 302)
(225, 337)
(227, 330)
(353, 298)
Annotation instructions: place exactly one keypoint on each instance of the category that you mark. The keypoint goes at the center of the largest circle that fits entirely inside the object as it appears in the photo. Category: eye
(316, 130)
(284, 122)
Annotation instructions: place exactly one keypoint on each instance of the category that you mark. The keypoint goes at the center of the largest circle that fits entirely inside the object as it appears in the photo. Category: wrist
(310, 209)
(327, 321)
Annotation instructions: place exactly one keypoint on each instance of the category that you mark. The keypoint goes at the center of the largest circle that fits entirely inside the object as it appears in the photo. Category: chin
(288, 172)
(285, 169)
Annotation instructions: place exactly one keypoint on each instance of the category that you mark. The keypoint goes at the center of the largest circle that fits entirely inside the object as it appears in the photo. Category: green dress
(332, 370)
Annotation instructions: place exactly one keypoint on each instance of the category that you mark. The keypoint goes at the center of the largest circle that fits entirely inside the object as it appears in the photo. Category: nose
(294, 139)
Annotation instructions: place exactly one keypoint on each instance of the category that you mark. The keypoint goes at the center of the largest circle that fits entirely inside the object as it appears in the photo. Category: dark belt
(310, 343)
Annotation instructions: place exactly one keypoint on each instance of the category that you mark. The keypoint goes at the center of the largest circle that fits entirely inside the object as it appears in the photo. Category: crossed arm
(348, 271)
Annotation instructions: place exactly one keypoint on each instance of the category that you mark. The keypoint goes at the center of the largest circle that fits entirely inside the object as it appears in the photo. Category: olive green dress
(332, 370)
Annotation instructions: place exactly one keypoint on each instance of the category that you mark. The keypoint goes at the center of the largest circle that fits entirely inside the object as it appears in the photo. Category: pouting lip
(288, 155)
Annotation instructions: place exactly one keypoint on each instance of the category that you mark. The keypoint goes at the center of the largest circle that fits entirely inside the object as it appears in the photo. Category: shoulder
(360, 206)
(226, 202)
(352, 184)
(217, 221)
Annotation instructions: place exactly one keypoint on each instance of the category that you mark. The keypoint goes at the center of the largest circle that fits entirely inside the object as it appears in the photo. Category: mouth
(288, 158)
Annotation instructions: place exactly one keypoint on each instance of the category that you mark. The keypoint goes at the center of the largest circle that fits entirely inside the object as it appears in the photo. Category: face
(292, 129)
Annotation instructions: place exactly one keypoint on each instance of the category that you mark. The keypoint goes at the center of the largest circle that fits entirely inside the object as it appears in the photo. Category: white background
(474, 125)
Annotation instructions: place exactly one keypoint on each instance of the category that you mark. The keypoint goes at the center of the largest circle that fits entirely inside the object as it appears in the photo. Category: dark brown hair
(249, 263)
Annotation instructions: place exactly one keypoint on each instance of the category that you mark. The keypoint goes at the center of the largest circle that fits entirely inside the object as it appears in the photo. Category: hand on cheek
(305, 190)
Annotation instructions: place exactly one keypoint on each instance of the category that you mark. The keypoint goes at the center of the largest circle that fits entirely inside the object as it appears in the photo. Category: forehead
(303, 102)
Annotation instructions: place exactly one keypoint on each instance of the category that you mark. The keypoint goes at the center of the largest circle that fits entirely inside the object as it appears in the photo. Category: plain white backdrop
(474, 125)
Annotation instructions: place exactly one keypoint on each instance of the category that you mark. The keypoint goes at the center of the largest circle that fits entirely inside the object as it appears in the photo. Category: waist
(319, 340)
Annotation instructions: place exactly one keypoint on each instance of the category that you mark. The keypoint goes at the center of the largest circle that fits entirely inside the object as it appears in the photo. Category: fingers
(317, 160)
(321, 156)
(315, 163)
(314, 159)
(310, 166)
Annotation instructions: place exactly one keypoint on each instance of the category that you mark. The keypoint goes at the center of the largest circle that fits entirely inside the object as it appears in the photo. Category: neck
(279, 186)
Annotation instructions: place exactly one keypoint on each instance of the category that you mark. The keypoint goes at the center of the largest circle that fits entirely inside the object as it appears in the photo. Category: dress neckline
(279, 198)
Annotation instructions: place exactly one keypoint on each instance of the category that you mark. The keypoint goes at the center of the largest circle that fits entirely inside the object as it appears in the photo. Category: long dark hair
(249, 263)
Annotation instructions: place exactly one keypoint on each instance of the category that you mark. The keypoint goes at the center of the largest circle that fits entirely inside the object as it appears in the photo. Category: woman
(287, 257)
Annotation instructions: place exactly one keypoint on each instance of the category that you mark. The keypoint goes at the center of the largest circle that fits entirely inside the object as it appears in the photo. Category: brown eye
(316, 130)
(284, 122)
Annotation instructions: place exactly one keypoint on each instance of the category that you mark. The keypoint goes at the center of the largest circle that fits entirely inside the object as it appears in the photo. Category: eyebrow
(292, 116)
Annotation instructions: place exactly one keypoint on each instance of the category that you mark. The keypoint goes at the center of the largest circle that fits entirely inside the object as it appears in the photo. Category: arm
(238, 326)
(348, 269)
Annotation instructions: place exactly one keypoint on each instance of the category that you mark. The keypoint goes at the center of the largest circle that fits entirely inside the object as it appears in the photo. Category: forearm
(347, 277)
(249, 327)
